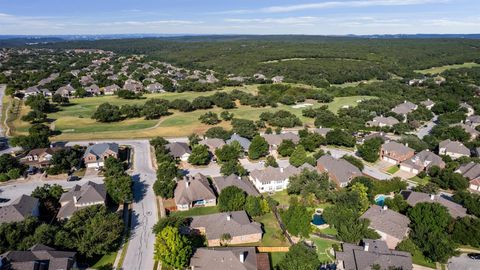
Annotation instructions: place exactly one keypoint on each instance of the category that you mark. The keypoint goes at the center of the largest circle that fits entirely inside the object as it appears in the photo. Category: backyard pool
(380, 200)
(318, 220)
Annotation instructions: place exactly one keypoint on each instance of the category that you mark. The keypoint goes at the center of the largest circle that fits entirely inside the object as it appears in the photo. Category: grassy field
(282, 197)
(75, 123)
(273, 236)
(421, 181)
(353, 84)
(438, 70)
(275, 258)
(106, 260)
(323, 246)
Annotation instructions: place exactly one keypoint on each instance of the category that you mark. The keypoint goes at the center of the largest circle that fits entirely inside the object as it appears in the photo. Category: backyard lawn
(323, 246)
(273, 236)
(421, 181)
(281, 197)
(275, 258)
(197, 211)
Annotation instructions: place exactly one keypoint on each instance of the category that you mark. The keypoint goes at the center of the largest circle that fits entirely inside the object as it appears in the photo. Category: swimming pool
(380, 200)
(318, 220)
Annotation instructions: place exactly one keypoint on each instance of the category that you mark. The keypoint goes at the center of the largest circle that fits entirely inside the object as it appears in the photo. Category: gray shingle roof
(454, 147)
(178, 149)
(470, 170)
(395, 147)
(404, 108)
(19, 209)
(30, 259)
(356, 257)
(413, 197)
(380, 120)
(213, 143)
(191, 189)
(222, 182)
(277, 139)
(244, 142)
(343, 170)
(234, 223)
(99, 149)
(387, 221)
(424, 159)
(225, 258)
(87, 194)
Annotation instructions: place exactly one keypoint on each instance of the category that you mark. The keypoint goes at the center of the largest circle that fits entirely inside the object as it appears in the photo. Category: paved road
(425, 130)
(2, 93)
(463, 263)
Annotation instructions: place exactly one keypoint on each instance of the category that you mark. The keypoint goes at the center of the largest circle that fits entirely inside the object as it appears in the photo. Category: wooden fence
(273, 249)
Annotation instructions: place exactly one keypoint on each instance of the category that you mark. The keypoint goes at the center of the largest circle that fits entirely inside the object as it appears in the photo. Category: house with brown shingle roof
(179, 150)
(221, 182)
(471, 171)
(274, 140)
(372, 252)
(404, 108)
(413, 197)
(390, 225)
(340, 171)
(394, 152)
(229, 258)
(38, 257)
(23, 207)
(79, 197)
(212, 144)
(194, 191)
(453, 149)
(236, 224)
(422, 162)
(40, 157)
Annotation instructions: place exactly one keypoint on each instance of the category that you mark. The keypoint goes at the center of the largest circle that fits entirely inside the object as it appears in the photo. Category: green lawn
(282, 197)
(198, 211)
(393, 169)
(438, 70)
(354, 84)
(329, 231)
(323, 246)
(106, 260)
(273, 236)
(275, 258)
(421, 181)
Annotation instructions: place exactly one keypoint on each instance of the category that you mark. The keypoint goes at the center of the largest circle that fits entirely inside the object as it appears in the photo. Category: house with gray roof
(428, 104)
(86, 80)
(38, 257)
(274, 140)
(93, 89)
(371, 253)
(237, 224)
(404, 108)
(229, 258)
(179, 150)
(31, 91)
(413, 197)
(340, 171)
(390, 225)
(96, 154)
(212, 144)
(395, 153)
(132, 85)
(471, 171)
(79, 197)
(244, 142)
(111, 89)
(322, 131)
(242, 183)
(473, 121)
(381, 121)
(154, 88)
(21, 208)
(66, 91)
(273, 179)
(422, 162)
(468, 107)
(453, 149)
(194, 191)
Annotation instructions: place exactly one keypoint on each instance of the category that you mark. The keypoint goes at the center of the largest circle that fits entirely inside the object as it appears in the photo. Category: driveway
(463, 263)
(425, 129)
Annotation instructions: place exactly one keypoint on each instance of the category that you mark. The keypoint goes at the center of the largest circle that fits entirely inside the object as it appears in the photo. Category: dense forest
(307, 59)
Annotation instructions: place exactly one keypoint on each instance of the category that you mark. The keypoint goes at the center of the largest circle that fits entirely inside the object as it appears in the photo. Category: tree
(218, 132)
(340, 138)
(49, 196)
(397, 203)
(271, 162)
(231, 198)
(155, 108)
(233, 167)
(199, 155)
(244, 128)
(258, 148)
(65, 159)
(370, 149)
(229, 152)
(172, 249)
(169, 221)
(225, 239)
(37, 138)
(297, 219)
(310, 182)
(361, 190)
(59, 99)
(256, 206)
(165, 184)
(466, 231)
(354, 161)
(107, 113)
(202, 103)
(226, 115)
(35, 117)
(299, 156)
(113, 167)
(286, 148)
(119, 188)
(193, 139)
(209, 118)
(312, 141)
(300, 257)
(92, 231)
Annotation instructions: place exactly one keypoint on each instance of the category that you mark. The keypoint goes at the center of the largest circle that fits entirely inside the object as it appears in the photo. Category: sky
(311, 17)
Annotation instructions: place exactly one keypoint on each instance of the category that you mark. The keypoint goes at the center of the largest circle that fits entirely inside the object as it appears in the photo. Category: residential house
(155, 88)
(86, 80)
(380, 121)
(428, 104)
(259, 76)
(96, 154)
(221, 182)
(468, 129)
(179, 150)
(396, 153)
(273, 179)
(414, 82)
(194, 191)
(212, 144)
(46, 92)
(404, 108)
(31, 91)
(322, 131)
(454, 149)
(468, 107)
(244, 142)
(93, 90)
(38, 257)
(235, 224)
(277, 79)
(471, 171)
(473, 121)
(413, 197)
(390, 225)
(79, 197)
(338, 170)
(371, 253)
(274, 140)
(422, 162)
(372, 135)
(75, 72)
(21, 208)
(229, 258)
(439, 80)
(66, 91)
(49, 79)
(111, 89)
(40, 157)
(132, 85)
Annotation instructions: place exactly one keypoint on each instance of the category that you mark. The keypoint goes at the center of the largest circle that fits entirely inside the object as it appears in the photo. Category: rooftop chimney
(281, 170)
(229, 217)
(187, 183)
(242, 257)
(385, 208)
(432, 197)
(366, 246)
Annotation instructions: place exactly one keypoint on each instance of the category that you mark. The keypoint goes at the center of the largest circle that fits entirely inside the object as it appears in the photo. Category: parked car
(32, 170)
(4, 200)
(73, 178)
(474, 256)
